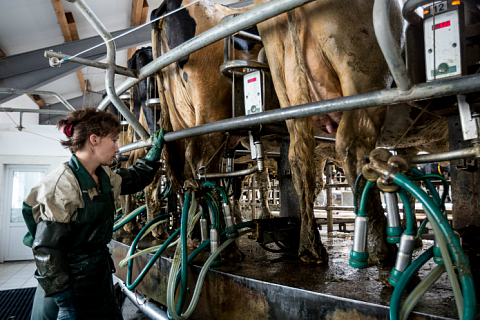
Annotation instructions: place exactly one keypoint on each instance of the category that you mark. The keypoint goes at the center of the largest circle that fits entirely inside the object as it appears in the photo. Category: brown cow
(323, 50)
(195, 92)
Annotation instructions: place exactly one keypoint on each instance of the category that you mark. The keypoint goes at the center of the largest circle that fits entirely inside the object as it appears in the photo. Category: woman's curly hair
(81, 124)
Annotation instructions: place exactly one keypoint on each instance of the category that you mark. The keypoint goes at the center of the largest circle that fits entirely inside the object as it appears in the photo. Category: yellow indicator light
(244, 70)
(425, 11)
(455, 3)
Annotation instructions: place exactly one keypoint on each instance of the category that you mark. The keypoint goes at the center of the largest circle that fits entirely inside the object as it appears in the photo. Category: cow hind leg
(263, 187)
(302, 163)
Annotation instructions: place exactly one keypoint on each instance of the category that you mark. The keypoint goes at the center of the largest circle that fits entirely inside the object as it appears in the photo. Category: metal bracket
(469, 124)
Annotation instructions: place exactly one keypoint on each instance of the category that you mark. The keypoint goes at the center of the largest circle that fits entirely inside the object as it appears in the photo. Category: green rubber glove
(155, 152)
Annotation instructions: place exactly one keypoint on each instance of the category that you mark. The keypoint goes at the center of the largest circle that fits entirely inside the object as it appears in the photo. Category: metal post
(110, 72)
(329, 199)
(388, 45)
(118, 69)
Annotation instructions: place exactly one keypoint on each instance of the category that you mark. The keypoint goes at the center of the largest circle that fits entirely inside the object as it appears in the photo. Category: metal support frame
(40, 111)
(150, 309)
(437, 89)
(236, 24)
(118, 69)
(110, 71)
(50, 93)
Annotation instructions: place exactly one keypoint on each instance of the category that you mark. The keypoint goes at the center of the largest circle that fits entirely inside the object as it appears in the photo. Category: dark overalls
(76, 253)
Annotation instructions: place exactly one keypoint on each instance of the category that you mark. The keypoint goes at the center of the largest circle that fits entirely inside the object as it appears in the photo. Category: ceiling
(28, 25)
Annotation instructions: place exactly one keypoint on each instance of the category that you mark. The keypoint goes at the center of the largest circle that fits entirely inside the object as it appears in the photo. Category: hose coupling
(214, 240)
(383, 164)
(204, 229)
(229, 224)
(404, 257)
(394, 228)
(229, 155)
(359, 254)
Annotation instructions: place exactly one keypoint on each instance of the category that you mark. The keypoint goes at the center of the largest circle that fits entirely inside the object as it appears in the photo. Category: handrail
(110, 71)
(50, 93)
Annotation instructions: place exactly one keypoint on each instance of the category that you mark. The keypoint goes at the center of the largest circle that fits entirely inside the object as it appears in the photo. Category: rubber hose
(407, 208)
(468, 288)
(129, 217)
(215, 213)
(403, 281)
(362, 212)
(129, 283)
(220, 189)
(420, 290)
(184, 251)
(355, 194)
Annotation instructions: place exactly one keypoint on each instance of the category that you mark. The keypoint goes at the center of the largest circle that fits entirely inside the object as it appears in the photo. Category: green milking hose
(362, 212)
(420, 290)
(215, 213)
(129, 217)
(220, 189)
(434, 215)
(140, 277)
(403, 281)
(407, 208)
(183, 246)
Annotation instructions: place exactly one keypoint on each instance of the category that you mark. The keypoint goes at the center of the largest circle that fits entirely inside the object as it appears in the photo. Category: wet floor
(336, 277)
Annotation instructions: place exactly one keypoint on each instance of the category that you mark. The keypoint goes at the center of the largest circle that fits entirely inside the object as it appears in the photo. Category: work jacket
(70, 221)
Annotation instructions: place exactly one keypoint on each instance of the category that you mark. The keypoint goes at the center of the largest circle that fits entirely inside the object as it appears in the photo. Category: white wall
(33, 147)
(22, 102)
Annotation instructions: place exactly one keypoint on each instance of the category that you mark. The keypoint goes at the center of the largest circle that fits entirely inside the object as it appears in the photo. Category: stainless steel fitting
(394, 228)
(405, 250)
(204, 229)
(228, 216)
(214, 240)
(360, 234)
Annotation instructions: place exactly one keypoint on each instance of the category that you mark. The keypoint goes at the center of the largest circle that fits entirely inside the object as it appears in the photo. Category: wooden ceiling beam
(37, 99)
(70, 33)
(138, 16)
(62, 19)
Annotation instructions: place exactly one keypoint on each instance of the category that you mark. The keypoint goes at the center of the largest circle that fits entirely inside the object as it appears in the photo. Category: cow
(192, 90)
(323, 50)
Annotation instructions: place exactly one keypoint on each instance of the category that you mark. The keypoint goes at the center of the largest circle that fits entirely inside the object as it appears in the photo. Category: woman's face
(106, 149)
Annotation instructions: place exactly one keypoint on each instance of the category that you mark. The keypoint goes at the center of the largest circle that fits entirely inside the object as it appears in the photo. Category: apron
(90, 263)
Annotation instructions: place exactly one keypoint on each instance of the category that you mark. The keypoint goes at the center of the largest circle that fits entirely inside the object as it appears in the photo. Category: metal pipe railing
(217, 33)
(388, 45)
(472, 152)
(437, 89)
(150, 309)
(239, 173)
(118, 69)
(110, 71)
(50, 93)
(40, 111)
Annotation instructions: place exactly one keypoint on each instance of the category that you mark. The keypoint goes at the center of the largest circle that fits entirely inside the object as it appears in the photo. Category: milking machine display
(202, 208)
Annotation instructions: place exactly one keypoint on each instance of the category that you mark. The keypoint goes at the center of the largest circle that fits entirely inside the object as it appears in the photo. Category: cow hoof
(309, 258)
(193, 243)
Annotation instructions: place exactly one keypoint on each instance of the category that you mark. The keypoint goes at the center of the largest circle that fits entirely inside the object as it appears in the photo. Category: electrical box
(253, 92)
(442, 25)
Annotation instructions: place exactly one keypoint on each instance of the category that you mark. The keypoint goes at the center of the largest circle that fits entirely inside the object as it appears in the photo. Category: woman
(69, 215)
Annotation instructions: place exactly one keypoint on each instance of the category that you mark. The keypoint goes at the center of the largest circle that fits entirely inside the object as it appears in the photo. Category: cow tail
(170, 148)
